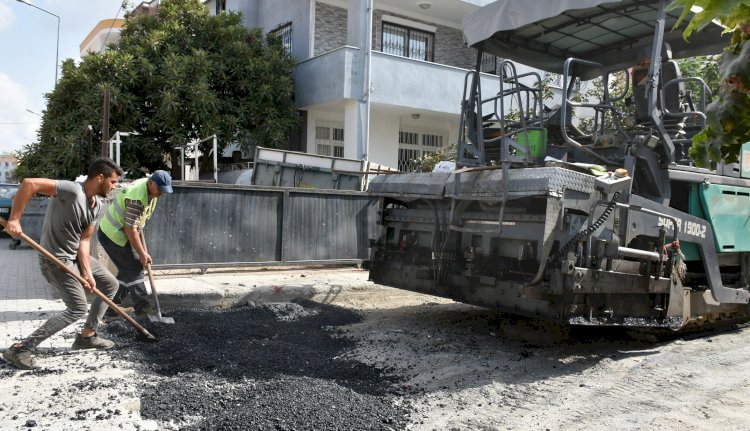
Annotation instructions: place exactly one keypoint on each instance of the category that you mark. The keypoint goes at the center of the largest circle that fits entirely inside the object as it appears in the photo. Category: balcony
(328, 78)
(397, 81)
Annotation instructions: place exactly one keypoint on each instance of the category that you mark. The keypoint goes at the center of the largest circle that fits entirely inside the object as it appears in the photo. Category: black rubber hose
(591, 229)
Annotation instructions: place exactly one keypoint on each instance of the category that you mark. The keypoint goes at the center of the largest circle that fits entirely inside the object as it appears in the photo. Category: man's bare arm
(29, 187)
(83, 256)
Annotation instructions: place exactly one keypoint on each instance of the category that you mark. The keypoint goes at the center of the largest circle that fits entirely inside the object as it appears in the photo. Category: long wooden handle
(95, 291)
(151, 278)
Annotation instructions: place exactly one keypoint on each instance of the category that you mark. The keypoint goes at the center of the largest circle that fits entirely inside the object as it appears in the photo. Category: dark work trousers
(129, 272)
(74, 297)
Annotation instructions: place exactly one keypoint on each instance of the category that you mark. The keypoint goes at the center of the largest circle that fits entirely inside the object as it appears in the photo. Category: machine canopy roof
(617, 34)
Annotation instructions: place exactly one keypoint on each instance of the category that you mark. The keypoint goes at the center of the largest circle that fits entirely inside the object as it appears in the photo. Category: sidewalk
(26, 299)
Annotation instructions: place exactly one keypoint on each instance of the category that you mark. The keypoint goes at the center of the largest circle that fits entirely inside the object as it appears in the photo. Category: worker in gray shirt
(66, 233)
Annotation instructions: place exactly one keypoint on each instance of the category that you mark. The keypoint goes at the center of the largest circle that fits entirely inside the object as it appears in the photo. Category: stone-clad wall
(330, 33)
(330, 28)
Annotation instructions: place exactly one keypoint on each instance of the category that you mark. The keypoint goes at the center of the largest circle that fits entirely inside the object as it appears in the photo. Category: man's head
(160, 182)
(105, 173)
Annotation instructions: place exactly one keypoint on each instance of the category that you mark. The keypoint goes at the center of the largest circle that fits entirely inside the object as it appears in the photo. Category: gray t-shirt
(68, 214)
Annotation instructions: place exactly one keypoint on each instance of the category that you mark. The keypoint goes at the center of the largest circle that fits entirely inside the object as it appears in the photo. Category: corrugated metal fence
(214, 225)
(32, 218)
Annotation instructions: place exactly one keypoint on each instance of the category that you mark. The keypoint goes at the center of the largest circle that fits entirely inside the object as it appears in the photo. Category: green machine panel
(727, 209)
(690, 249)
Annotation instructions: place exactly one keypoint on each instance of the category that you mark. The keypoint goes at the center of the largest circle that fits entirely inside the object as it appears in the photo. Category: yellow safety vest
(114, 218)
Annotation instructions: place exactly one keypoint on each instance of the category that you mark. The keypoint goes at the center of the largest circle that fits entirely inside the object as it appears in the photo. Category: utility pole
(105, 124)
(91, 150)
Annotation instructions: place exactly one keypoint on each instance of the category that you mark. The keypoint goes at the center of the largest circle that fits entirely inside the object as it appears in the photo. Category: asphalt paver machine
(613, 226)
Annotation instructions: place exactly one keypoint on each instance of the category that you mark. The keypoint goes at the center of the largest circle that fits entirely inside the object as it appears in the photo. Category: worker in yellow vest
(119, 235)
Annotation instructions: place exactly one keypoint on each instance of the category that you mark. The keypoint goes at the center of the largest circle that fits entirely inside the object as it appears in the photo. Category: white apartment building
(380, 80)
(105, 33)
(383, 83)
(8, 163)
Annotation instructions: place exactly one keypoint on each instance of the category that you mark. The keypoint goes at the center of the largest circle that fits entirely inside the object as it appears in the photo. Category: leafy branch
(729, 115)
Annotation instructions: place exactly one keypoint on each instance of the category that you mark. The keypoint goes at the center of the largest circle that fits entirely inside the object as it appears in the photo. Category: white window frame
(331, 142)
(423, 141)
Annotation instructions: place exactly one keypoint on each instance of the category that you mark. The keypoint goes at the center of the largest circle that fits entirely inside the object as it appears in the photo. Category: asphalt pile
(259, 367)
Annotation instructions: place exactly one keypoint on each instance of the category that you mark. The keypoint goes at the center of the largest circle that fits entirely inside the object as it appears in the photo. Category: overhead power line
(117, 15)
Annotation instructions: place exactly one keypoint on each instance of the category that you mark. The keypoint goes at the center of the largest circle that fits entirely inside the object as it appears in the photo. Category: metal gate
(221, 225)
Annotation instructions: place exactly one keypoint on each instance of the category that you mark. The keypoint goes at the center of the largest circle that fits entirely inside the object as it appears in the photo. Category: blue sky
(27, 57)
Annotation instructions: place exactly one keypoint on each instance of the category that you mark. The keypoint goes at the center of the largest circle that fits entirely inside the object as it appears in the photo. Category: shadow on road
(457, 346)
(15, 316)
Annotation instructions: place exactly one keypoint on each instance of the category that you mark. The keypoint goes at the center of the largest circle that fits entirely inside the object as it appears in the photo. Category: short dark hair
(104, 166)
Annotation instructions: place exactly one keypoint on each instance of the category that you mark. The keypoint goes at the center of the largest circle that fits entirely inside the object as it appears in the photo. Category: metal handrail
(568, 102)
(704, 90)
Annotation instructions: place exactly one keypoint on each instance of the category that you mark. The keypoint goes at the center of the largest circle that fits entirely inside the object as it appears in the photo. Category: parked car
(7, 191)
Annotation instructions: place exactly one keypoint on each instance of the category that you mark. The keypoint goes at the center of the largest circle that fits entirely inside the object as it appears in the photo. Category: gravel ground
(378, 359)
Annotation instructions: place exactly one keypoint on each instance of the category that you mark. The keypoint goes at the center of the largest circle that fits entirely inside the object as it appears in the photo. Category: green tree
(705, 67)
(174, 77)
(729, 115)
(618, 87)
(431, 158)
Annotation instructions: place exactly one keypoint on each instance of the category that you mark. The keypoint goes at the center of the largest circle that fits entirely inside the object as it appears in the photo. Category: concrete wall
(397, 81)
(269, 15)
(249, 9)
(384, 136)
(273, 14)
(416, 84)
(331, 77)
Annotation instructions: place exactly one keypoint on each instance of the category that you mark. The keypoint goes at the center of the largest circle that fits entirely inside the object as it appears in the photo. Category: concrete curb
(205, 291)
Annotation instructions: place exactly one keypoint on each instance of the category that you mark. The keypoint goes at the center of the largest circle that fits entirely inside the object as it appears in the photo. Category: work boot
(92, 342)
(20, 357)
(144, 309)
(112, 313)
